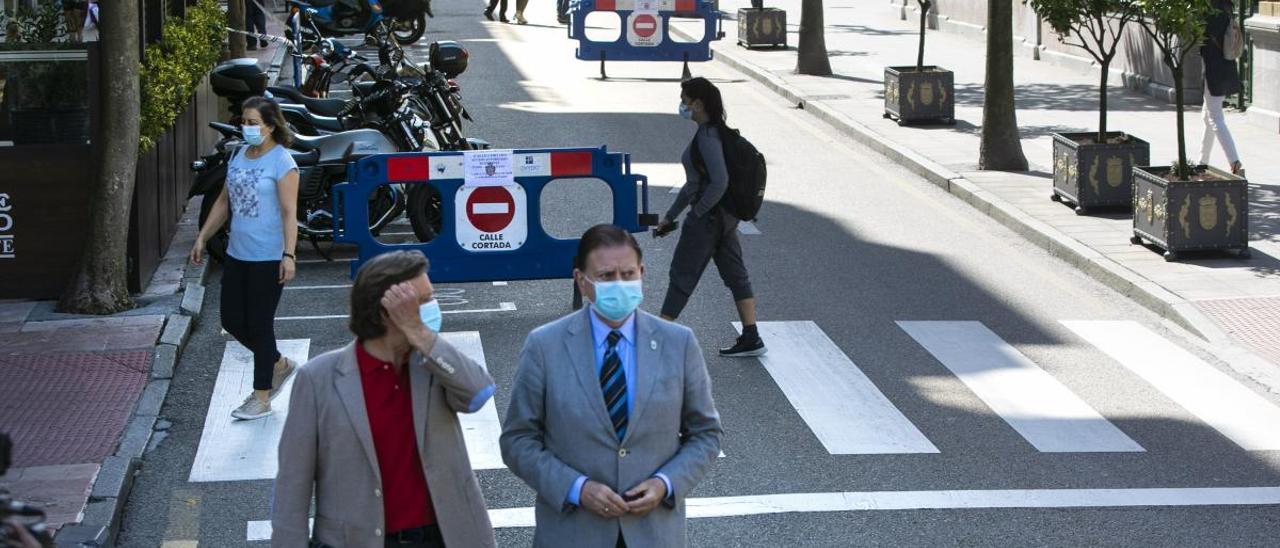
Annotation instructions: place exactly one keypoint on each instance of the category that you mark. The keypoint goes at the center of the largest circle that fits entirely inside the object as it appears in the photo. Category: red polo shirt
(406, 500)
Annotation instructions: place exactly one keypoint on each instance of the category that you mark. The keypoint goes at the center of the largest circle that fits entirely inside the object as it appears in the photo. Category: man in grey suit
(611, 411)
(373, 430)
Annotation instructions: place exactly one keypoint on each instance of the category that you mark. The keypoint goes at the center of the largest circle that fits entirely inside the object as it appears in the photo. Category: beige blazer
(557, 429)
(327, 450)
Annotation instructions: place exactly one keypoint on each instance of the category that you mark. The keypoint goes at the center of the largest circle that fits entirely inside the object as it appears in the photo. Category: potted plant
(761, 26)
(1181, 207)
(1094, 169)
(922, 92)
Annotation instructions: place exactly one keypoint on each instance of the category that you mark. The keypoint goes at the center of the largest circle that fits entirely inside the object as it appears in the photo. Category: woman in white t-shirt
(261, 198)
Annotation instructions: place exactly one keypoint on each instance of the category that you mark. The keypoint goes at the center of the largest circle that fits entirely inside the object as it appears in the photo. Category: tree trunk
(1001, 148)
(235, 19)
(924, 17)
(812, 57)
(1102, 102)
(1180, 166)
(100, 285)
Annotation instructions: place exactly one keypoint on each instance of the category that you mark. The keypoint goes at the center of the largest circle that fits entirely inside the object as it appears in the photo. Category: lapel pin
(653, 345)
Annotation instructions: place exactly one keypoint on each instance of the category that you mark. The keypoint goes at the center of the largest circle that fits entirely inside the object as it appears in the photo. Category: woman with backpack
(1220, 80)
(710, 230)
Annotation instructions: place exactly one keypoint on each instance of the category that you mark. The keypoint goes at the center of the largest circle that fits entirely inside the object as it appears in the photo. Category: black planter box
(1182, 216)
(762, 27)
(1092, 175)
(911, 96)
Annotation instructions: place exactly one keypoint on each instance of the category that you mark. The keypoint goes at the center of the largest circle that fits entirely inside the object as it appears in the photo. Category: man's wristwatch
(290, 255)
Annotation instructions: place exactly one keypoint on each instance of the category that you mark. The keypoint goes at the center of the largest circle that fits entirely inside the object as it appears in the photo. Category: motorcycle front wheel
(425, 212)
(408, 30)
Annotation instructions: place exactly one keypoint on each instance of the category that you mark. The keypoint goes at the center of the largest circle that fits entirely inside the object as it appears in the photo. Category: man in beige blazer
(373, 432)
(611, 418)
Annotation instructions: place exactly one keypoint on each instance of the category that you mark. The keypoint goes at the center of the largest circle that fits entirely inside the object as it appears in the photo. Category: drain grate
(1254, 321)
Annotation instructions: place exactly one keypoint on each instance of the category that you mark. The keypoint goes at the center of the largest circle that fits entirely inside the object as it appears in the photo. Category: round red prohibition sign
(490, 208)
(644, 25)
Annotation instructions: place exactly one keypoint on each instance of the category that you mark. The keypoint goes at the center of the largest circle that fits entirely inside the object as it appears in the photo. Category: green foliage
(173, 67)
(1177, 27)
(42, 24)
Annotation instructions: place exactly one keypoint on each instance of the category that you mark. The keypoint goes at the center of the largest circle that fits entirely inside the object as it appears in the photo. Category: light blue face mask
(431, 315)
(252, 134)
(617, 300)
(685, 112)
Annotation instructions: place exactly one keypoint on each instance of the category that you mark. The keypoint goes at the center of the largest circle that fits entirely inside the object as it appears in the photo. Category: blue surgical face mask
(252, 134)
(431, 315)
(685, 112)
(617, 300)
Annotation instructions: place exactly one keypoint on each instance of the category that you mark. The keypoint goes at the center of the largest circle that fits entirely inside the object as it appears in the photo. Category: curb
(101, 523)
(1093, 264)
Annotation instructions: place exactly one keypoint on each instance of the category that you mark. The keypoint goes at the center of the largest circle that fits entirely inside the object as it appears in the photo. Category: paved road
(933, 379)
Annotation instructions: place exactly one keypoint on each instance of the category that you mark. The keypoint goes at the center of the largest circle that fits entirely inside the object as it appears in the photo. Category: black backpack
(747, 174)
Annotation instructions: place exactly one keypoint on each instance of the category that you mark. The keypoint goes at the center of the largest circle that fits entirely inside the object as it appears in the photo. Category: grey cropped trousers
(712, 236)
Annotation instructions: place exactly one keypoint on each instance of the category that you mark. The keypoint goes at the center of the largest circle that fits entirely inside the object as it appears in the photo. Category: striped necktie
(613, 382)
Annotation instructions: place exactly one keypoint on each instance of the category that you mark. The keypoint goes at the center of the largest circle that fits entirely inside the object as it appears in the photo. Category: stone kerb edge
(1092, 263)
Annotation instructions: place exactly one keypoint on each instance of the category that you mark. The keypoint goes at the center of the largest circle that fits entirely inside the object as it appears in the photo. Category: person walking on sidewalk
(710, 231)
(502, 12)
(372, 430)
(1220, 80)
(611, 411)
(520, 6)
(255, 20)
(261, 198)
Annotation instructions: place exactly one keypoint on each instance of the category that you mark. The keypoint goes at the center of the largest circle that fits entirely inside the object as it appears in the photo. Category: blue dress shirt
(627, 353)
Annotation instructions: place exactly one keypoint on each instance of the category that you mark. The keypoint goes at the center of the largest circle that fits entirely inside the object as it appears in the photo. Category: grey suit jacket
(327, 448)
(557, 429)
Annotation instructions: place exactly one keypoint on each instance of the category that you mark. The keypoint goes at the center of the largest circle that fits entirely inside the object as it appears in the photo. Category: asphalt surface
(848, 241)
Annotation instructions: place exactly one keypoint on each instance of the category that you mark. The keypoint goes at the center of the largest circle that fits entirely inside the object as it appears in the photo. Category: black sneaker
(745, 348)
(488, 14)
(563, 19)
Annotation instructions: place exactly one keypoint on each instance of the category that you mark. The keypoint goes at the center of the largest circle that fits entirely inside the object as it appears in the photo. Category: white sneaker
(252, 409)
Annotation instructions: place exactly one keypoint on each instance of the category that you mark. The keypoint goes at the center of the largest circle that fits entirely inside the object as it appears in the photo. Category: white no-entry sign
(644, 29)
(491, 218)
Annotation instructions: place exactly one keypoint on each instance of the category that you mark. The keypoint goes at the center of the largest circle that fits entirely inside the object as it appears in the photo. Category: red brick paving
(68, 408)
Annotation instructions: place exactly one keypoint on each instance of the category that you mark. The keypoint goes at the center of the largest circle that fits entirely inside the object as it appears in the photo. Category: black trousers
(250, 293)
(254, 18)
(501, 12)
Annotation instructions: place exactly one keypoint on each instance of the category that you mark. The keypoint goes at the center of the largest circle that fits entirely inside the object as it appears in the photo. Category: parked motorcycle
(322, 162)
(315, 19)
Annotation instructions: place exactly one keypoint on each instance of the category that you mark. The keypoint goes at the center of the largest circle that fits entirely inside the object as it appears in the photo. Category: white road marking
(480, 429)
(865, 501)
(1240, 414)
(1040, 408)
(233, 450)
(674, 190)
(499, 284)
(397, 234)
(502, 307)
(842, 407)
(749, 228)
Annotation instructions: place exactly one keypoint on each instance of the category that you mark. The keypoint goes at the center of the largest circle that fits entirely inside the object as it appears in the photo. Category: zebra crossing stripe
(1046, 413)
(843, 408)
(1240, 414)
(875, 501)
(481, 429)
(233, 450)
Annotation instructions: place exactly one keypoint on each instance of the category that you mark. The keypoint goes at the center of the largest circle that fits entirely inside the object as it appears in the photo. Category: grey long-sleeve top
(703, 192)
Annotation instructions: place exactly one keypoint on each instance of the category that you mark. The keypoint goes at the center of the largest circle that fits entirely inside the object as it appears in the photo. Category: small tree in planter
(1094, 169)
(1181, 207)
(921, 92)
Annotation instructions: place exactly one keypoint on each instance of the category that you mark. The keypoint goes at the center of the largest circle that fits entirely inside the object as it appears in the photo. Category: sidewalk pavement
(1233, 304)
(82, 395)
